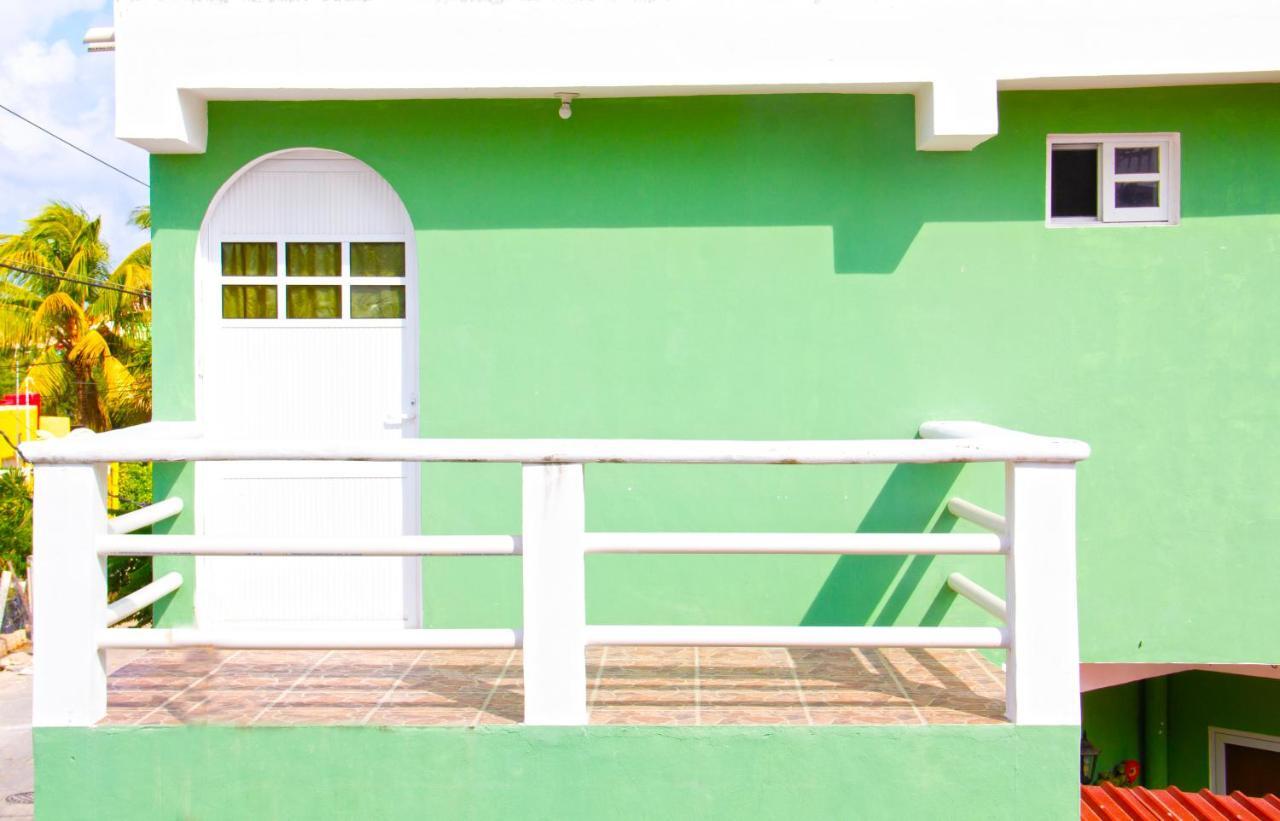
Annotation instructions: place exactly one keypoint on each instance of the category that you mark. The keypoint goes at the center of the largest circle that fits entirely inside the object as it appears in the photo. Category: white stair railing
(1036, 534)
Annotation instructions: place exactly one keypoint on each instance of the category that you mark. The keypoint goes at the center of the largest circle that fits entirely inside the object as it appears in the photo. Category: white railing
(1036, 534)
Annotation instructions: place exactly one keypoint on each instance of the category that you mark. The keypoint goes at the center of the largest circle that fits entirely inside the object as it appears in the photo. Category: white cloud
(24, 19)
(46, 75)
(35, 66)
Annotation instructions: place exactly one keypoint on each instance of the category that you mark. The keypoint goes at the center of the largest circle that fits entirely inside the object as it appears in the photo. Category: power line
(92, 283)
(88, 154)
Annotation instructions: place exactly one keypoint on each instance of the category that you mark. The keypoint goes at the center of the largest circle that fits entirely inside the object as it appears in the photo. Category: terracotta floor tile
(625, 685)
(755, 715)
(643, 715)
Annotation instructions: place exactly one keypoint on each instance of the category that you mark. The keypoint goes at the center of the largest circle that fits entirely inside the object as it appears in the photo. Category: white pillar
(555, 612)
(70, 687)
(1042, 679)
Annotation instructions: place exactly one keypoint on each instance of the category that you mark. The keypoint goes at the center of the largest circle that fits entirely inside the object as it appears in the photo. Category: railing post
(555, 664)
(70, 579)
(1042, 677)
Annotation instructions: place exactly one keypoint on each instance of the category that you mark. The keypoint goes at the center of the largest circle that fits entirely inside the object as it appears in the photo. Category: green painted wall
(316, 773)
(1116, 720)
(1199, 700)
(1112, 718)
(789, 266)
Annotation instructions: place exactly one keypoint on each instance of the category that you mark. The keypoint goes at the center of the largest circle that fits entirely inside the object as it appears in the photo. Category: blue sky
(46, 75)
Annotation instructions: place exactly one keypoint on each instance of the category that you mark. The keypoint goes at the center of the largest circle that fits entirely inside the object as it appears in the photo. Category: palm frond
(90, 349)
(59, 311)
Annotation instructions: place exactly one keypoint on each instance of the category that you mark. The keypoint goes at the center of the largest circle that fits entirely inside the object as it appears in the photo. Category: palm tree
(86, 326)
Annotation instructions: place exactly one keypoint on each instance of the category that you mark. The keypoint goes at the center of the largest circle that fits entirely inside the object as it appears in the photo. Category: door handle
(396, 419)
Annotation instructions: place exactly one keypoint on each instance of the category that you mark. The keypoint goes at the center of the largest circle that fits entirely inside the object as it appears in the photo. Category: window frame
(1169, 177)
(282, 280)
(1219, 738)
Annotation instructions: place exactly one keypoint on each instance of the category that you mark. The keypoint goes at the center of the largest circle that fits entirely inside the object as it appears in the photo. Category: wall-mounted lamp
(1088, 760)
(566, 103)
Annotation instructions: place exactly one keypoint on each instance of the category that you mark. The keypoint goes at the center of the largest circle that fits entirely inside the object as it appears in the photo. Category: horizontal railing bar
(720, 636)
(95, 449)
(831, 543)
(968, 431)
(979, 595)
(125, 606)
(131, 638)
(979, 516)
(144, 517)
(308, 546)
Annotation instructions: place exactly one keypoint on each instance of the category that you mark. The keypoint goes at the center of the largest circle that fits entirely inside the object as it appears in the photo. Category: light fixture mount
(566, 103)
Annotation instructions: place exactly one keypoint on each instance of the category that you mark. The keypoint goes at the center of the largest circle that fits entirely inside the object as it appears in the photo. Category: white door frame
(207, 295)
(1219, 738)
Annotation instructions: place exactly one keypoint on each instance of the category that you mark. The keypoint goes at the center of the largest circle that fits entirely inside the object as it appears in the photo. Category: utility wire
(92, 283)
(70, 144)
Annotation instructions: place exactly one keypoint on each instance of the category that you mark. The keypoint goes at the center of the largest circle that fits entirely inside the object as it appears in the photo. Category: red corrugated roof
(1109, 803)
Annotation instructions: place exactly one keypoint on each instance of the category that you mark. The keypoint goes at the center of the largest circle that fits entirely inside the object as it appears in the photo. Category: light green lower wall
(387, 773)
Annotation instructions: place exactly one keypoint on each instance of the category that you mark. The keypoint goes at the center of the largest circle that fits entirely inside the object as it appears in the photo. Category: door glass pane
(313, 259)
(377, 259)
(248, 302)
(313, 301)
(248, 259)
(1144, 160)
(1137, 194)
(377, 302)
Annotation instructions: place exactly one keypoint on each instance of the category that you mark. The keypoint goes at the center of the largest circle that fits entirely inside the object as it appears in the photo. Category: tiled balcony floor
(626, 685)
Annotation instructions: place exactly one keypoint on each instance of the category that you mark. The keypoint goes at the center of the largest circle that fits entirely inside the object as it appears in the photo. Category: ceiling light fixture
(566, 103)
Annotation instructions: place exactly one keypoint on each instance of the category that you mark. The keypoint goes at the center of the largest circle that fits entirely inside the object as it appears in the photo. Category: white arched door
(307, 319)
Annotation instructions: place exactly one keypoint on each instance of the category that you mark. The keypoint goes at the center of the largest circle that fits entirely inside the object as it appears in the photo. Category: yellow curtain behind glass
(248, 259)
(377, 259)
(314, 301)
(377, 302)
(313, 259)
(248, 302)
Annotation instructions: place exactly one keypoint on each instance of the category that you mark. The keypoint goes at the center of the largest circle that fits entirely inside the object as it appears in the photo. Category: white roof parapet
(940, 442)
(174, 55)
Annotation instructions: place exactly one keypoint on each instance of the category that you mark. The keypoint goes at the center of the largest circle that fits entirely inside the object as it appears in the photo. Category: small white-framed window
(1244, 762)
(1112, 179)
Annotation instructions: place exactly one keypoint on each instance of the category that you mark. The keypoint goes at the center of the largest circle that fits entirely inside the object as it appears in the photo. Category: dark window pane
(1252, 771)
(313, 259)
(1137, 194)
(248, 259)
(377, 259)
(1073, 183)
(1138, 160)
(313, 301)
(248, 302)
(377, 302)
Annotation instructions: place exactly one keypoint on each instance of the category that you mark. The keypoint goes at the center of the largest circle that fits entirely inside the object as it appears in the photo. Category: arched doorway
(306, 276)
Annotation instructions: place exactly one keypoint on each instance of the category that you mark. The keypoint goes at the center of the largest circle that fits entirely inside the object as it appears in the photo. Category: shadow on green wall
(847, 161)
(853, 592)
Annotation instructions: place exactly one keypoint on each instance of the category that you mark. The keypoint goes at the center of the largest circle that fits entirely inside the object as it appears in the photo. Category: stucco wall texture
(790, 267)
(627, 773)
